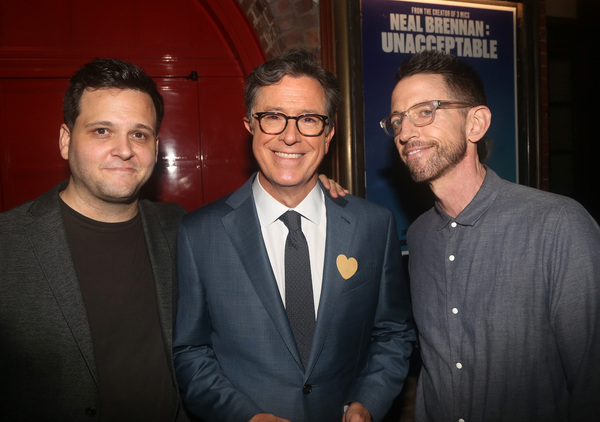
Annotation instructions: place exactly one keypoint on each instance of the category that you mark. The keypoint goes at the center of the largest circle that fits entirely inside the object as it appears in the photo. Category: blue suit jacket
(235, 354)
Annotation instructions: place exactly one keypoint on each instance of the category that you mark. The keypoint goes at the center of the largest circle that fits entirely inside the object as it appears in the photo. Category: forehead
(115, 98)
(298, 95)
(118, 104)
(417, 89)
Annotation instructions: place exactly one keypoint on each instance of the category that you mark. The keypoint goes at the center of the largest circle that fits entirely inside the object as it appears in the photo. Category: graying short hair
(294, 63)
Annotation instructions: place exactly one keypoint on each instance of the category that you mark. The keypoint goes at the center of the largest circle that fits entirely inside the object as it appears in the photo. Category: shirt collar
(269, 209)
(483, 200)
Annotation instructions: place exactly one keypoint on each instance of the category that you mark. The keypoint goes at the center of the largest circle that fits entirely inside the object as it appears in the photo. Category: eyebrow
(100, 123)
(306, 111)
(405, 110)
(143, 126)
(112, 125)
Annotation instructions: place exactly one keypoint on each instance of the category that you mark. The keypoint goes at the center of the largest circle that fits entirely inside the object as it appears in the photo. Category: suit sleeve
(206, 392)
(392, 339)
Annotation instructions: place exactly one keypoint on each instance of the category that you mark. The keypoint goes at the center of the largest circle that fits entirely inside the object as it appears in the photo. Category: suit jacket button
(90, 411)
(307, 389)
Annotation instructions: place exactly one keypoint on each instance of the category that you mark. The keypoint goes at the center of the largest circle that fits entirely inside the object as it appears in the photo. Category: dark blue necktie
(299, 301)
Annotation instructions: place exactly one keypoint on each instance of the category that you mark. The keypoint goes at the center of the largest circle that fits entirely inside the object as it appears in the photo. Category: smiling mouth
(415, 149)
(286, 155)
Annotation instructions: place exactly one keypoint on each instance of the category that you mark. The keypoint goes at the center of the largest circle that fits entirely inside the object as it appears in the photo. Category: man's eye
(273, 117)
(309, 120)
(139, 135)
(101, 131)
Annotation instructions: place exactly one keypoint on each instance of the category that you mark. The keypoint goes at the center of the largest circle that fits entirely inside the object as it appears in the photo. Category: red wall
(204, 148)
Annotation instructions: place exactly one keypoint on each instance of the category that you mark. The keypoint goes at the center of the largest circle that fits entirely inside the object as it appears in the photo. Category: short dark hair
(294, 63)
(461, 79)
(109, 73)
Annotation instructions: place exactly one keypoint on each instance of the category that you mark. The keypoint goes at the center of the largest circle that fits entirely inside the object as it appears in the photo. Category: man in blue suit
(239, 355)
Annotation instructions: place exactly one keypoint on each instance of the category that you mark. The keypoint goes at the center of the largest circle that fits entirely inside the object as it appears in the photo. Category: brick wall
(283, 24)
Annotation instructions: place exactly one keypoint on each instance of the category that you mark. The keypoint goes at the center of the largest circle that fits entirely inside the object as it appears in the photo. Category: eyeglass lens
(419, 115)
(275, 123)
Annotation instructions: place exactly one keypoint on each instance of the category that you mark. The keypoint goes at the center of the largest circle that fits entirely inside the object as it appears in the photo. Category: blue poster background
(492, 27)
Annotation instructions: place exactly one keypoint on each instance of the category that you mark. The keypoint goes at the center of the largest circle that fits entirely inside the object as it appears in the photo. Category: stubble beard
(443, 159)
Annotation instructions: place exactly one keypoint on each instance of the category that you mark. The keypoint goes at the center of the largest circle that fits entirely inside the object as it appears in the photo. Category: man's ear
(156, 147)
(328, 138)
(64, 141)
(479, 119)
(248, 126)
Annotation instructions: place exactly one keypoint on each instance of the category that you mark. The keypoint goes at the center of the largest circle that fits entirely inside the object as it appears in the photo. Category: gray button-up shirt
(507, 302)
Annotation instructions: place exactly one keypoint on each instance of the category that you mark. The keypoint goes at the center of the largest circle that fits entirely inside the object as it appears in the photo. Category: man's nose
(122, 146)
(407, 130)
(290, 134)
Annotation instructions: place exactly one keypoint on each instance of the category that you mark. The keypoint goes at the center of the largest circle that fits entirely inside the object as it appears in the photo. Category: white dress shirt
(274, 232)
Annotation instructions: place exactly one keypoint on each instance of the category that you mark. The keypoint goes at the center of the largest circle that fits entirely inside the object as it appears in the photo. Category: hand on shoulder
(334, 188)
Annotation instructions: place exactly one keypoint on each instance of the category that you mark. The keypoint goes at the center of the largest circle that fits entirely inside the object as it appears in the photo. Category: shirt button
(454, 224)
(454, 311)
(451, 258)
(459, 365)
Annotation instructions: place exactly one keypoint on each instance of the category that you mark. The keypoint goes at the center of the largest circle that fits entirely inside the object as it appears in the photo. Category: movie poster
(393, 30)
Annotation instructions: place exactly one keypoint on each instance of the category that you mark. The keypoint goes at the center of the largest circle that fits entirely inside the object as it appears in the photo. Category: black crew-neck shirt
(115, 275)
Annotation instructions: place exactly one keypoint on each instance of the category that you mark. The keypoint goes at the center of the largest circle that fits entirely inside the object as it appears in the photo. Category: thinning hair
(109, 73)
(294, 63)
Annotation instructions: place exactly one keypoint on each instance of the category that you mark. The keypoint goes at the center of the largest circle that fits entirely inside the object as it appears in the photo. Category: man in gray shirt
(505, 279)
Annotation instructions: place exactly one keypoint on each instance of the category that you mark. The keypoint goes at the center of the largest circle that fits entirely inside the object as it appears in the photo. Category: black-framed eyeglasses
(274, 123)
(420, 114)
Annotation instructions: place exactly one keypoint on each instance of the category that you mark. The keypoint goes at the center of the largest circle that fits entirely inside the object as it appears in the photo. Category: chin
(287, 180)
(420, 175)
(120, 196)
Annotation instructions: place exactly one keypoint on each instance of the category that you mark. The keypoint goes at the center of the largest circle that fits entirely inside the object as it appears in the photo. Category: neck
(456, 189)
(97, 209)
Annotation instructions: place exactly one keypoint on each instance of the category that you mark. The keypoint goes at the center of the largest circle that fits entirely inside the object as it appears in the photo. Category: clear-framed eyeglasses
(420, 114)
(274, 123)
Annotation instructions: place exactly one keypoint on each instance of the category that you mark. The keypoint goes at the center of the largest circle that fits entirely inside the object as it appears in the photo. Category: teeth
(284, 155)
(413, 152)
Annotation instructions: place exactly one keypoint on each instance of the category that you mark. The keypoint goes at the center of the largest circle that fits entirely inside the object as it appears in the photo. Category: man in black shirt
(87, 269)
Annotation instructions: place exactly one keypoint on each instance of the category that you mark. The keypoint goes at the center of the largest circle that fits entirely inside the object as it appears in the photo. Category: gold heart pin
(346, 266)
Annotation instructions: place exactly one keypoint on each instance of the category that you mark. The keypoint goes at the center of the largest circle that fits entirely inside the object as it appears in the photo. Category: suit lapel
(160, 238)
(243, 229)
(161, 260)
(50, 245)
(340, 231)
